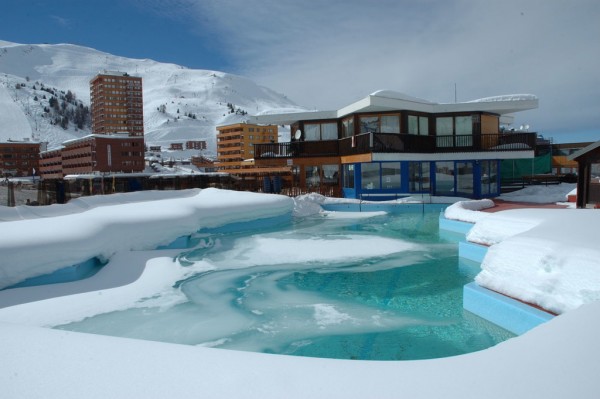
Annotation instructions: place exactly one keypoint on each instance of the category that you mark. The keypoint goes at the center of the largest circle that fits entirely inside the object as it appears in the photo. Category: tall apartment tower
(117, 104)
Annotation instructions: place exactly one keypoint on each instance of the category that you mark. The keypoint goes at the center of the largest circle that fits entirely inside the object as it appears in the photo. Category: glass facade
(348, 176)
(419, 177)
(464, 178)
(390, 175)
(370, 176)
(444, 178)
(474, 179)
(489, 178)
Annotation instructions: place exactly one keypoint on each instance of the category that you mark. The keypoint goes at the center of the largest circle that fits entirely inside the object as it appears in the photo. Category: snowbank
(39, 246)
(467, 211)
(548, 257)
(541, 194)
(556, 360)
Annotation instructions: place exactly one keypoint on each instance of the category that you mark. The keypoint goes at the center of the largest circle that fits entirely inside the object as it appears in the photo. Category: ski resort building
(19, 158)
(389, 145)
(117, 104)
(94, 153)
(236, 145)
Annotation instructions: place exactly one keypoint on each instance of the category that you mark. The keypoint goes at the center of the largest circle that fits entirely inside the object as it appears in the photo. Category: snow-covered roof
(584, 150)
(387, 100)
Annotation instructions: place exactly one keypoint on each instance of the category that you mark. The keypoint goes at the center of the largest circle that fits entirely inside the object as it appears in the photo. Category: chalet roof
(584, 151)
(386, 100)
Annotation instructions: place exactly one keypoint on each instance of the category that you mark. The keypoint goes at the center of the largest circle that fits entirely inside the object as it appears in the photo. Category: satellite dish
(298, 134)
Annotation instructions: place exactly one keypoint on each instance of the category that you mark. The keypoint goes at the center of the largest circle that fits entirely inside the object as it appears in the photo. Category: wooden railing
(398, 143)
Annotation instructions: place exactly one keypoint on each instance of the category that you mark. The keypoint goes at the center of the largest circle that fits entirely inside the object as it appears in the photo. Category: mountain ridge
(180, 103)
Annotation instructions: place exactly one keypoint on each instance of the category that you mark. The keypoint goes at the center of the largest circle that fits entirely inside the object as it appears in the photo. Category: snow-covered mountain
(179, 103)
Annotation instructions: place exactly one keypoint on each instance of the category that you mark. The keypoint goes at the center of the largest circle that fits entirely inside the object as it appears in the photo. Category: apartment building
(117, 104)
(19, 158)
(235, 145)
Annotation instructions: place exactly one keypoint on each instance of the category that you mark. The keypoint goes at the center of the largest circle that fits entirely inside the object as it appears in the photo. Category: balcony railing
(398, 143)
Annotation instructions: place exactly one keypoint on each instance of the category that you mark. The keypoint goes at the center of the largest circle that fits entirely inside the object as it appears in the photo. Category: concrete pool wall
(508, 313)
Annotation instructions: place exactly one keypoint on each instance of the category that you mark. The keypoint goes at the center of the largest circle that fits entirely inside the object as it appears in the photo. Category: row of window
(258, 130)
(451, 177)
(390, 123)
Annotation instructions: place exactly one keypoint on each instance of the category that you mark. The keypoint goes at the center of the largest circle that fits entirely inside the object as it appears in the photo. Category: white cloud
(327, 54)
(60, 21)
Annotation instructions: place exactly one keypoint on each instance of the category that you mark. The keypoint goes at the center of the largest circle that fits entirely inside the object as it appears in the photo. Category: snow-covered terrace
(555, 360)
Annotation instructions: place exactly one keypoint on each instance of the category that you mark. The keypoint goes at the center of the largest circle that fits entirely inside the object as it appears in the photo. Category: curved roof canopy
(386, 100)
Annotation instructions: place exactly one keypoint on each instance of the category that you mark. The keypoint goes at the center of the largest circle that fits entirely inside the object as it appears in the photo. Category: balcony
(398, 143)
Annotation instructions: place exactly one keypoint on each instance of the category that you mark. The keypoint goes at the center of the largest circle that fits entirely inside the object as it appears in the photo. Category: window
(464, 131)
(461, 127)
(348, 176)
(390, 124)
(329, 131)
(331, 174)
(464, 177)
(418, 177)
(418, 125)
(489, 178)
(444, 130)
(312, 132)
(369, 124)
(370, 176)
(320, 131)
(312, 174)
(380, 124)
(444, 126)
(348, 127)
(390, 175)
(444, 177)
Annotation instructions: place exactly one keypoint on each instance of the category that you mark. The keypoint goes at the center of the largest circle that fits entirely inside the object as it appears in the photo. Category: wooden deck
(504, 205)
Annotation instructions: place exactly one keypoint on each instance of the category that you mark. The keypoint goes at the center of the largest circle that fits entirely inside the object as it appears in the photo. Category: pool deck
(501, 205)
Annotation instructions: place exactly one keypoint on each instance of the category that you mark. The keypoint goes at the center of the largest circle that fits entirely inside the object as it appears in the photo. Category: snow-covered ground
(555, 360)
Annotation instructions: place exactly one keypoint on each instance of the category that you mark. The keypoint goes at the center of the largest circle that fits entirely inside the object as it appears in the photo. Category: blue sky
(325, 54)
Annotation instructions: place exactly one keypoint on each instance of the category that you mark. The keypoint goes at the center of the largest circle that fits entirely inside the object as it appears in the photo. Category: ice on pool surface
(384, 287)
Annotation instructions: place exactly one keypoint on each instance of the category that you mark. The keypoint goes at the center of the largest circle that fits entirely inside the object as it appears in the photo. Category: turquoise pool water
(386, 287)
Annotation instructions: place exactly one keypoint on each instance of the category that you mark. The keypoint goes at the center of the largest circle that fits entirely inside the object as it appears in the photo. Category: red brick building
(117, 104)
(94, 153)
(19, 158)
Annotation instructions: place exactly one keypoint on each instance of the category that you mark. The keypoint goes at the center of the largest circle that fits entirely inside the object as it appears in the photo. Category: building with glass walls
(389, 145)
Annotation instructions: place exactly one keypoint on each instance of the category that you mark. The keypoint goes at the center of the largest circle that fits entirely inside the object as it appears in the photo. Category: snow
(94, 233)
(64, 67)
(541, 194)
(507, 97)
(467, 211)
(548, 256)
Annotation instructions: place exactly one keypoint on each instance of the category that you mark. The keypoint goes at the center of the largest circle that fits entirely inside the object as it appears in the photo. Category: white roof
(386, 100)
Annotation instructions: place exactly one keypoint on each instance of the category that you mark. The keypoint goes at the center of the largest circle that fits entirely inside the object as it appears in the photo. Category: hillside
(194, 101)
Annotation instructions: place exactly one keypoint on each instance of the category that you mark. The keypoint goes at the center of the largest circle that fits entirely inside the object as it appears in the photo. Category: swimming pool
(348, 286)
